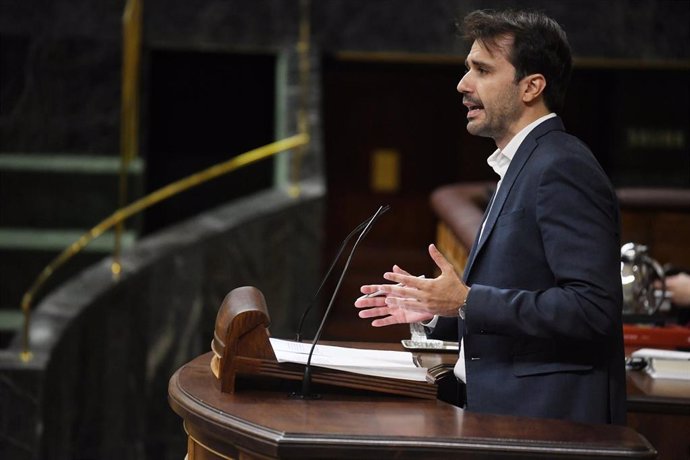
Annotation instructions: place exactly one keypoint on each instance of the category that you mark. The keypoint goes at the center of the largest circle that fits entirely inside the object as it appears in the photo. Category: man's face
(490, 92)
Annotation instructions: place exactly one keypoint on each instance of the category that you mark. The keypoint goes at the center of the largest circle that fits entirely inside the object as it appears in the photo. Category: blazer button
(475, 358)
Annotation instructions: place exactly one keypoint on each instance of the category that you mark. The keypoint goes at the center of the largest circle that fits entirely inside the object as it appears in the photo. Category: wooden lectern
(241, 348)
(227, 420)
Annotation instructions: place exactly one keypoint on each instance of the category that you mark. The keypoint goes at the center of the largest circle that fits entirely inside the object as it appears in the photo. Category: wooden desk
(660, 410)
(260, 424)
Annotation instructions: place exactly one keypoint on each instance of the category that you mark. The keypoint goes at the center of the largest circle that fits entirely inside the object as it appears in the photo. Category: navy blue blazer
(543, 326)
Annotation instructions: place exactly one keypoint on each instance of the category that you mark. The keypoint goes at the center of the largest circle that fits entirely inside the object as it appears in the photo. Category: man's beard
(503, 114)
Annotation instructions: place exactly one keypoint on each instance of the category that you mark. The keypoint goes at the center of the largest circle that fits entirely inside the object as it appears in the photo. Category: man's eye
(482, 71)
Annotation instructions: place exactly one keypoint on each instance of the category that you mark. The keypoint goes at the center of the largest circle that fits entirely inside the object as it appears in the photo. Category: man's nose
(463, 84)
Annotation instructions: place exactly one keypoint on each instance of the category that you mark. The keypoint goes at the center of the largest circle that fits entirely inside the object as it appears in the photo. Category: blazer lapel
(473, 251)
(517, 163)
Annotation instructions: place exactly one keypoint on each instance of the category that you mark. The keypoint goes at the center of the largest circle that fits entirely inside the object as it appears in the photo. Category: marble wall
(61, 59)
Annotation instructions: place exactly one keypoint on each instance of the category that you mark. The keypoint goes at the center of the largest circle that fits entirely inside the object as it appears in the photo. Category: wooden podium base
(255, 423)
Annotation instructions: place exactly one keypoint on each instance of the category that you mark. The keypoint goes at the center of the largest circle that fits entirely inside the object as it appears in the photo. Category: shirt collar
(500, 159)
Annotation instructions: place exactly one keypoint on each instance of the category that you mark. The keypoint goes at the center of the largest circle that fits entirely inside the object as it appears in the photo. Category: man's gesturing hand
(414, 299)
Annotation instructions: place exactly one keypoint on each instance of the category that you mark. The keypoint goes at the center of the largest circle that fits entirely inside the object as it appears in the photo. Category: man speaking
(538, 308)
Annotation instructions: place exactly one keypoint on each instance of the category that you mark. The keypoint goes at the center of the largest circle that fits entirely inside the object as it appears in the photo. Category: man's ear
(533, 86)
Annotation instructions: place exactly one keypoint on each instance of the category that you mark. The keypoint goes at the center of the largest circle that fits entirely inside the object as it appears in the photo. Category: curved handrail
(131, 43)
(145, 202)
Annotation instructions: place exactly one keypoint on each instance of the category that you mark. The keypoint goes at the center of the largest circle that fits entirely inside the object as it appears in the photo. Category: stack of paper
(379, 363)
(665, 364)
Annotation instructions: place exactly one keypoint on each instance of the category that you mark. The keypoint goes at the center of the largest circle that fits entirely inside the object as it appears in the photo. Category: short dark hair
(539, 46)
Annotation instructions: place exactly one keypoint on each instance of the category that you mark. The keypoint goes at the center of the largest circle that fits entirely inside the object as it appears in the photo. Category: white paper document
(665, 364)
(661, 354)
(379, 363)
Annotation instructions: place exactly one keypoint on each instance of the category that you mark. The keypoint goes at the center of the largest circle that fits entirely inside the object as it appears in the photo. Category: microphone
(298, 337)
(306, 378)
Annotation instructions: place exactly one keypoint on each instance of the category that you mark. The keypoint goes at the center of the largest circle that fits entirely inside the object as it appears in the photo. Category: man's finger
(405, 292)
(368, 289)
(405, 280)
(368, 302)
(387, 321)
(406, 303)
(374, 312)
(397, 269)
(440, 261)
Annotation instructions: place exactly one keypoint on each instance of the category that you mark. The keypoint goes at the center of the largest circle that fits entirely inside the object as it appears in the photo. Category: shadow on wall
(104, 351)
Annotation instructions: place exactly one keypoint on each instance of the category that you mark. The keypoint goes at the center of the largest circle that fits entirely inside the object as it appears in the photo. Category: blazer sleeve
(446, 329)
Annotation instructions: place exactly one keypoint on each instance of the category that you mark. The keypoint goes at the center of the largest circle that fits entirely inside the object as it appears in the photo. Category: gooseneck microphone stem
(328, 273)
(306, 379)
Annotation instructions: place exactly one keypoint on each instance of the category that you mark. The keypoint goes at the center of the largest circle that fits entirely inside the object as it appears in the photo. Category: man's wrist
(463, 307)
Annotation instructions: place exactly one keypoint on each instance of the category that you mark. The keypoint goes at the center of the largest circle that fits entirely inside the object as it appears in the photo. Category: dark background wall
(389, 74)
(61, 60)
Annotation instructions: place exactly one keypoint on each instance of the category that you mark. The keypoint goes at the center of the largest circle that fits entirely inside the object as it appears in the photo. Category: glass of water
(417, 332)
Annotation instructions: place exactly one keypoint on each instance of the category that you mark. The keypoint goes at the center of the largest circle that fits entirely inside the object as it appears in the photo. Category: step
(25, 252)
(63, 190)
